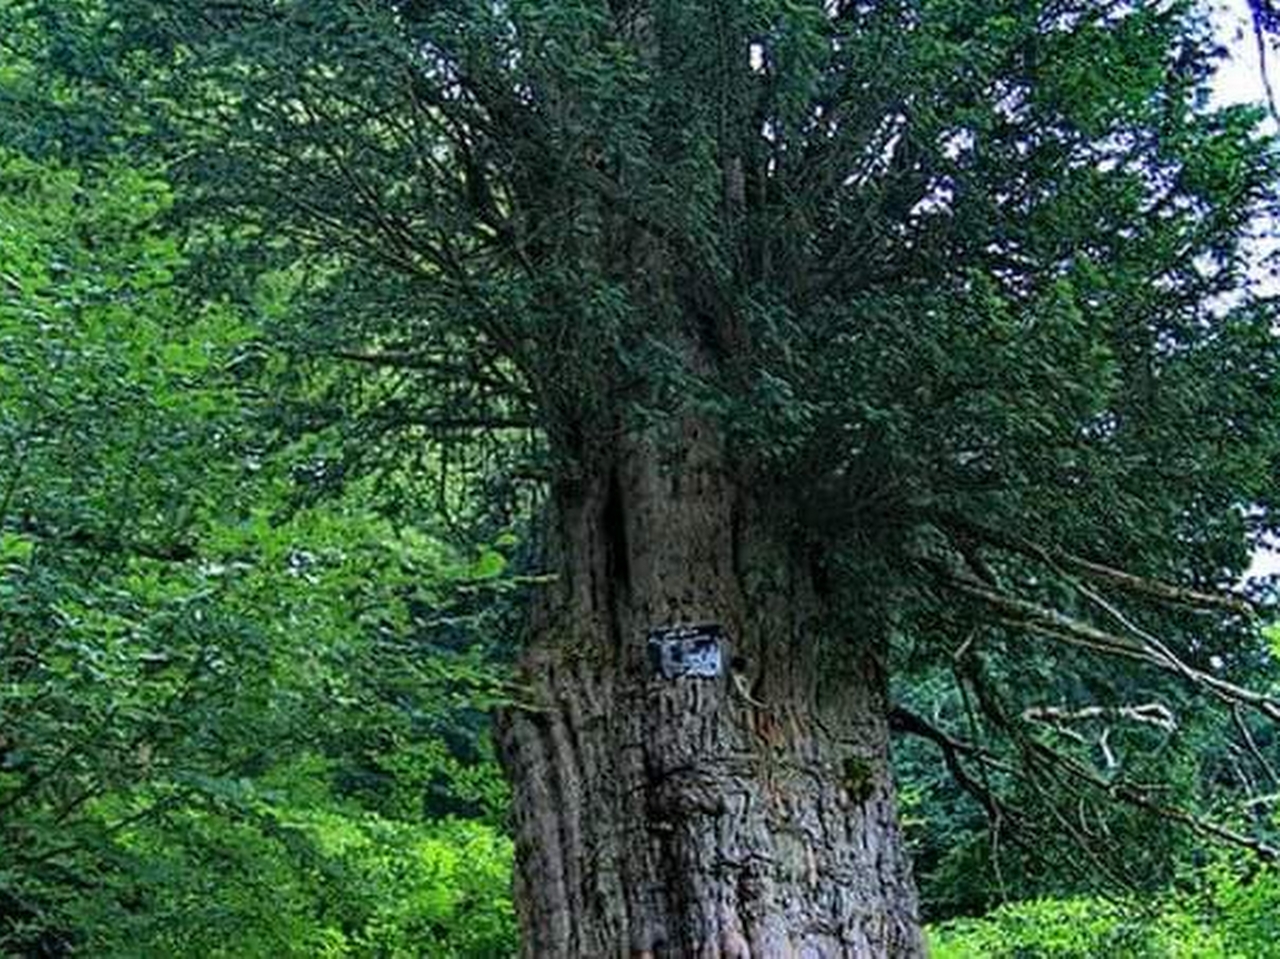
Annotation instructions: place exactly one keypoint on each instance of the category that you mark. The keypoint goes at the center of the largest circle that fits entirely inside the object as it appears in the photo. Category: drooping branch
(1038, 758)
(967, 530)
(1142, 799)
(1038, 753)
(1243, 728)
(1058, 626)
(903, 720)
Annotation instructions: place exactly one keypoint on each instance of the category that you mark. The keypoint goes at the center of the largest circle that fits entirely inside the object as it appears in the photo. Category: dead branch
(1154, 714)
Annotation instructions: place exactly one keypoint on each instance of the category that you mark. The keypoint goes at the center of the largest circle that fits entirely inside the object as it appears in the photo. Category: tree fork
(750, 814)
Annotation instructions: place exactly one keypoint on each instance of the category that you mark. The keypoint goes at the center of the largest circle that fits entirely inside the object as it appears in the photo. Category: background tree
(233, 720)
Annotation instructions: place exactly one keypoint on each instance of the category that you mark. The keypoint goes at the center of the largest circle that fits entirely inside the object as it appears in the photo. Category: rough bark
(748, 815)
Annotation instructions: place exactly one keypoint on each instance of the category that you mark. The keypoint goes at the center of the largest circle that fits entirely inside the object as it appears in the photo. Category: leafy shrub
(1232, 911)
(261, 873)
(1080, 927)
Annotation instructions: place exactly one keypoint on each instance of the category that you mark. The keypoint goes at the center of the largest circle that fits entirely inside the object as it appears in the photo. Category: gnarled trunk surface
(752, 814)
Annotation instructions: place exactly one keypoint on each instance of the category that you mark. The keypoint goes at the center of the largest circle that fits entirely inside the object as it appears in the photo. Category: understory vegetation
(1214, 916)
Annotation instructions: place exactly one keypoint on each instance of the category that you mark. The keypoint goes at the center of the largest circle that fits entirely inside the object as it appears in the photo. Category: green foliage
(1223, 917)
(226, 724)
(1071, 929)
(1272, 634)
(292, 874)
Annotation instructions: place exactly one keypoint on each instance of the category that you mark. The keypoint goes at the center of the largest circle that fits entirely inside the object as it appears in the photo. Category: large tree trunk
(751, 814)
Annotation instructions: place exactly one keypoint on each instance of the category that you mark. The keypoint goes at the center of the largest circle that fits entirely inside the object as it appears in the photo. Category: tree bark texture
(749, 815)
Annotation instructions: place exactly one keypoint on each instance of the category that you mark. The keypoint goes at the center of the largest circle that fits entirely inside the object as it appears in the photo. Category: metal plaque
(679, 651)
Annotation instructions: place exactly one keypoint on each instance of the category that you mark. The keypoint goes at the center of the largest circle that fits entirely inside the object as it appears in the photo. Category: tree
(843, 323)
(221, 702)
